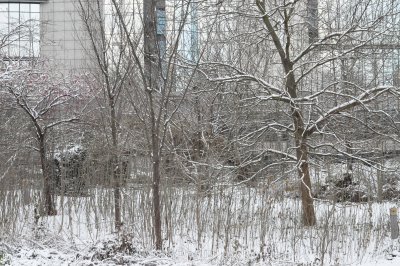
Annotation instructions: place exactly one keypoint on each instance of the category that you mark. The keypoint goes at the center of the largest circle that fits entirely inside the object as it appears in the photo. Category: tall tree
(150, 84)
(110, 68)
(289, 72)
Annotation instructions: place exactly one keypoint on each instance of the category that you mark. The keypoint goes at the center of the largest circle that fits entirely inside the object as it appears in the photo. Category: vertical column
(194, 38)
(312, 20)
(154, 41)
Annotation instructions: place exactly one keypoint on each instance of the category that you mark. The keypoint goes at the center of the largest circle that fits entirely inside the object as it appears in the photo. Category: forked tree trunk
(297, 117)
(302, 154)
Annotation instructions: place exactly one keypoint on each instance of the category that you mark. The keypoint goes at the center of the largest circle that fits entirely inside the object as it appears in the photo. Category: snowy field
(226, 226)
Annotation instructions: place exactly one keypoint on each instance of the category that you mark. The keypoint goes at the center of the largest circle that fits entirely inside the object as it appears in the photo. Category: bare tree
(153, 93)
(141, 73)
(43, 100)
(284, 69)
(111, 66)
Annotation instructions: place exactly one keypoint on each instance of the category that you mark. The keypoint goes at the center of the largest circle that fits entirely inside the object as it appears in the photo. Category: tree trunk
(380, 182)
(349, 160)
(49, 206)
(115, 166)
(117, 206)
(156, 192)
(312, 20)
(154, 45)
(301, 153)
(300, 137)
(307, 200)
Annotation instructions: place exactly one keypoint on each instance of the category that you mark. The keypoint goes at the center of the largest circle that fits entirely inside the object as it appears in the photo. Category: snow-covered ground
(228, 226)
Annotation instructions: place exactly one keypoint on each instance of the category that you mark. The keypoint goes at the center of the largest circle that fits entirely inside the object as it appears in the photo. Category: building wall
(63, 39)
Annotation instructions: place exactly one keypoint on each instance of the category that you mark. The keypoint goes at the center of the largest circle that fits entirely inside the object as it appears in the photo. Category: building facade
(51, 29)
(63, 39)
(54, 29)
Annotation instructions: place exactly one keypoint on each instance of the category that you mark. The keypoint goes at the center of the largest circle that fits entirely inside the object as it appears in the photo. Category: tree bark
(312, 20)
(156, 191)
(302, 155)
(49, 206)
(154, 41)
(300, 135)
(307, 200)
(114, 164)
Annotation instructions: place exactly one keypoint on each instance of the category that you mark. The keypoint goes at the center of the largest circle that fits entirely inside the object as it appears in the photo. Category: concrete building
(49, 28)
(63, 39)
(54, 29)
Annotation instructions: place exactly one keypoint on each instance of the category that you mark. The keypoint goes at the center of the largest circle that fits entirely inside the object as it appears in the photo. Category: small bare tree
(110, 68)
(44, 100)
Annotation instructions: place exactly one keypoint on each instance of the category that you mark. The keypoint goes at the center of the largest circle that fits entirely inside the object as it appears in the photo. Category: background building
(49, 28)
(54, 29)
(63, 39)
(19, 29)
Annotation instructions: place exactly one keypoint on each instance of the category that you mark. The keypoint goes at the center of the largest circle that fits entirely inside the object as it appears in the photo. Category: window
(19, 30)
(186, 19)
(161, 21)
